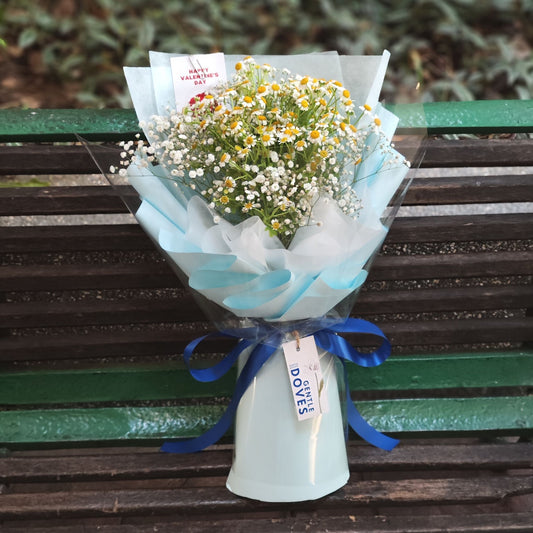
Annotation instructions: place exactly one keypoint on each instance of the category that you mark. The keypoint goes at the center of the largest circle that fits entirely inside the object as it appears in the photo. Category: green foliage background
(456, 49)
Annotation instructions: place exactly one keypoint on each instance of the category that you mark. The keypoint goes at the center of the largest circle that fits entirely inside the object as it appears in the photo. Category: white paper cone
(278, 458)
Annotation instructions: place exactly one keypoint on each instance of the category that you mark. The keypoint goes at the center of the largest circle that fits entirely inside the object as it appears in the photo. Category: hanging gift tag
(194, 75)
(307, 383)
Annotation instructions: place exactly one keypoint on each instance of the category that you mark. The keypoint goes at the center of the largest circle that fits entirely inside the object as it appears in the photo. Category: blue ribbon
(326, 337)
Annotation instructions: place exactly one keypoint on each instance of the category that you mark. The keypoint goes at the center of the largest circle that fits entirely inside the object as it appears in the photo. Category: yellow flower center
(377, 121)
(248, 99)
(238, 66)
(367, 107)
(346, 93)
(224, 200)
(261, 89)
(275, 87)
(314, 134)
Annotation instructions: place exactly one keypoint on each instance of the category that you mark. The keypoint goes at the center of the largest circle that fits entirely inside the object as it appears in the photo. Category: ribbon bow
(326, 337)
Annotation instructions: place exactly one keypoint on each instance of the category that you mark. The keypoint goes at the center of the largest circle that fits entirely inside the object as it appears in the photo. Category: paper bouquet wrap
(272, 216)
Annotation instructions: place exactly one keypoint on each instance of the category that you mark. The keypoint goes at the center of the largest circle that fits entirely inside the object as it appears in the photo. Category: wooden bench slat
(172, 381)
(48, 159)
(167, 342)
(77, 200)
(97, 466)
(119, 237)
(502, 188)
(152, 275)
(423, 191)
(473, 522)
(461, 228)
(183, 307)
(92, 237)
(71, 277)
(192, 500)
(451, 265)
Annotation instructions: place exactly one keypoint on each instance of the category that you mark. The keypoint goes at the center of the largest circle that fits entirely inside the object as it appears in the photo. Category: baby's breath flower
(269, 144)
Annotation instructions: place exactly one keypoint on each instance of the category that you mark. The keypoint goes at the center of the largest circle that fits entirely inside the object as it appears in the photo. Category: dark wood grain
(87, 466)
(200, 500)
(125, 237)
(151, 342)
(61, 159)
(476, 522)
(153, 275)
(183, 307)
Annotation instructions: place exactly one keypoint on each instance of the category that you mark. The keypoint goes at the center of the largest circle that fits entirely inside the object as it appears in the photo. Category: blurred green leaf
(456, 49)
(27, 37)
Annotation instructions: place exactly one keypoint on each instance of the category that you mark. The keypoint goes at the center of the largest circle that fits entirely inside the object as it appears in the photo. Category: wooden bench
(93, 323)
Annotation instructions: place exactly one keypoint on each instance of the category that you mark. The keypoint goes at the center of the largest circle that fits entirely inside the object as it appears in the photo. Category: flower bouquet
(270, 194)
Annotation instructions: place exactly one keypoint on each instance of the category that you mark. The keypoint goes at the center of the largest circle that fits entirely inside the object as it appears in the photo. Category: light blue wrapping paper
(240, 267)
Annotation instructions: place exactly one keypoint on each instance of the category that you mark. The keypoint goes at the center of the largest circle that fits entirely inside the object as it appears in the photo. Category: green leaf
(27, 37)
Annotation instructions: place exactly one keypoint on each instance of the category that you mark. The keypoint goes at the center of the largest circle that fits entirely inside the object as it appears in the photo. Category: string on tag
(297, 337)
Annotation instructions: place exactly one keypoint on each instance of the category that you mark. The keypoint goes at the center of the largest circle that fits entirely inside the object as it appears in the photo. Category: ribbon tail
(258, 357)
(366, 431)
(337, 345)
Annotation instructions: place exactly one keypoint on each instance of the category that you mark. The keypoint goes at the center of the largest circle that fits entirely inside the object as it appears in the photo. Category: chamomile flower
(268, 144)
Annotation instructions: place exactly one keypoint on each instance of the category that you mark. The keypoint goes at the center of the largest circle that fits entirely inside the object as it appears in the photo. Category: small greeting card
(196, 74)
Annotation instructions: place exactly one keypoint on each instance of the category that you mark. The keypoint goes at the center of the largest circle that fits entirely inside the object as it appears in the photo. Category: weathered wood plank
(470, 189)
(151, 465)
(183, 307)
(50, 159)
(60, 200)
(199, 501)
(153, 275)
(474, 522)
(96, 237)
(87, 276)
(173, 341)
(423, 191)
(456, 523)
(451, 265)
